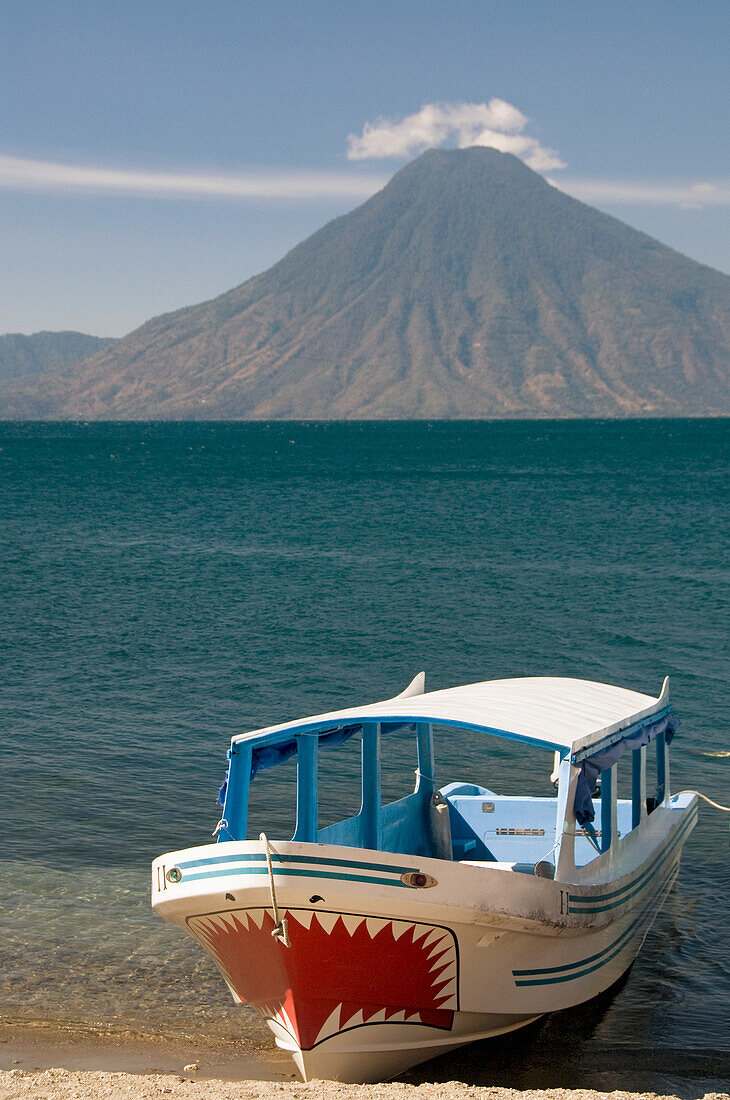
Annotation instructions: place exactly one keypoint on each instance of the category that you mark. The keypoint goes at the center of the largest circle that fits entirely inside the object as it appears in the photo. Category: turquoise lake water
(165, 586)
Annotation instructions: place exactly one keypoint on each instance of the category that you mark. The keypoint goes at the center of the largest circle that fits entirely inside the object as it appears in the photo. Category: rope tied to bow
(280, 931)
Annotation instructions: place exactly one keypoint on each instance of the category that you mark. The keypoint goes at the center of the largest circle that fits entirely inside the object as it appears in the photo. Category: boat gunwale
(581, 913)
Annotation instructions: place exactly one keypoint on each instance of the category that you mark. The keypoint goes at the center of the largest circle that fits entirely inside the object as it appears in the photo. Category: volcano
(469, 287)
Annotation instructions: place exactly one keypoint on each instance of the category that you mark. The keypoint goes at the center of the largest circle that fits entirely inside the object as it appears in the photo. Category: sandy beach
(58, 1083)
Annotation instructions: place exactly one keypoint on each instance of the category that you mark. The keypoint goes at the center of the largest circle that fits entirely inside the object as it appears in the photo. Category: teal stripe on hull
(259, 857)
(581, 962)
(539, 976)
(589, 904)
(609, 952)
(292, 872)
(600, 958)
(615, 893)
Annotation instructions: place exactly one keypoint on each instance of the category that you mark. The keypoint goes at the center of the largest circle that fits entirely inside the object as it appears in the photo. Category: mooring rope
(725, 809)
(280, 931)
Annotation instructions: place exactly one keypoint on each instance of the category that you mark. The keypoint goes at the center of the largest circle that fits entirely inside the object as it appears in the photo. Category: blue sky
(155, 154)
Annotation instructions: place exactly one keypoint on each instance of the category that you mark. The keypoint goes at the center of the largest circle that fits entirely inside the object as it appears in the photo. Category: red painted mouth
(341, 971)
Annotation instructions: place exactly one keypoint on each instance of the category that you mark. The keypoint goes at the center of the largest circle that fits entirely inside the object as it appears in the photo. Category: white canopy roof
(552, 711)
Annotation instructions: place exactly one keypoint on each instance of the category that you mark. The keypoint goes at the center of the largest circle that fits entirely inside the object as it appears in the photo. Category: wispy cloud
(688, 196)
(20, 174)
(17, 173)
(496, 124)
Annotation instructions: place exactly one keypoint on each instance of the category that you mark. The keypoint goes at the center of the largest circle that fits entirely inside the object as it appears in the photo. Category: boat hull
(351, 997)
(374, 977)
(381, 1051)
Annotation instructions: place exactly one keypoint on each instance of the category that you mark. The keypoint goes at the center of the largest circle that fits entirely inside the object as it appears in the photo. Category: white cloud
(20, 174)
(496, 124)
(688, 196)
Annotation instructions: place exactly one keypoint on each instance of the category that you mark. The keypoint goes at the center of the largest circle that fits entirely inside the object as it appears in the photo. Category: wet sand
(37, 1045)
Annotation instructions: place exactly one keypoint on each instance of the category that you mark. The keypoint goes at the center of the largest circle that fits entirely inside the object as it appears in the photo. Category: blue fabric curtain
(268, 756)
(224, 785)
(592, 767)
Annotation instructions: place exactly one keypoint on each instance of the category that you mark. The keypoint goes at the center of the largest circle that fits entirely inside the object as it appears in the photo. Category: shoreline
(40, 1045)
(55, 1060)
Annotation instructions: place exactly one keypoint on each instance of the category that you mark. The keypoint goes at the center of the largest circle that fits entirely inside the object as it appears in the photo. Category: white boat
(450, 915)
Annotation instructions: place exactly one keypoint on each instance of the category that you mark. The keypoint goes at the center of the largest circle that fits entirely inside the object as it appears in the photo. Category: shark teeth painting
(341, 971)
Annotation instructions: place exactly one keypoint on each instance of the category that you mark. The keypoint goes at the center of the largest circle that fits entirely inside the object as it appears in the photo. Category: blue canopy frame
(248, 756)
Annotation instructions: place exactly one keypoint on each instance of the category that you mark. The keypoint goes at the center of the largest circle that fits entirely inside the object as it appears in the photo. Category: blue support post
(661, 781)
(307, 775)
(426, 781)
(608, 813)
(371, 831)
(662, 768)
(235, 809)
(638, 786)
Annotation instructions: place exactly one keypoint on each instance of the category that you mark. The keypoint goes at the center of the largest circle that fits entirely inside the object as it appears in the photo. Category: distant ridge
(24, 356)
(468, 287)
